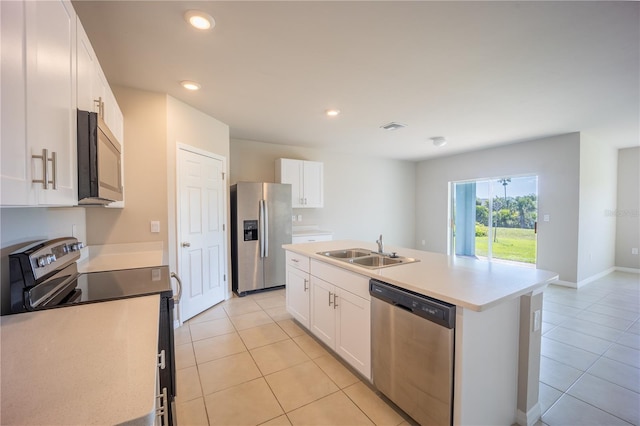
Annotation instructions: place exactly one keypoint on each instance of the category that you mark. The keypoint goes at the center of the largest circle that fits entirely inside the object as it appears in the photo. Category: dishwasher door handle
(406, 308)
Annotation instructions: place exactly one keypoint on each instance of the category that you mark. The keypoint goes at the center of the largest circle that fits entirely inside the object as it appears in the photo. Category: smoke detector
(393, 126)
(439, 141)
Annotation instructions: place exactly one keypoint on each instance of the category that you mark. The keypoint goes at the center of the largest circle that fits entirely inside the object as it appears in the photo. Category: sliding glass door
(495, 219)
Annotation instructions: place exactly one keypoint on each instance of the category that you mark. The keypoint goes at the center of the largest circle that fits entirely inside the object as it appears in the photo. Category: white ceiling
(478, 73)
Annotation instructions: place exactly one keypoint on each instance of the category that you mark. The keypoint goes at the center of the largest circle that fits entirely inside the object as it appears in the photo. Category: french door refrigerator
(260, 225)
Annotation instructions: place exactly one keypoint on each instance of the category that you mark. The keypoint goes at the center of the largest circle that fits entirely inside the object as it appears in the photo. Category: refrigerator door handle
(261, 227)
(266, 228)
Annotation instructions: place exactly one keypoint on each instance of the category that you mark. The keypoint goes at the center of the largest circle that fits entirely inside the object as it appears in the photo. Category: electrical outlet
(537, 320)
(74, 230)
(424, 242)
(299, 218)
(634, 250)
(293, 218)
(546, 218)
(155, 226)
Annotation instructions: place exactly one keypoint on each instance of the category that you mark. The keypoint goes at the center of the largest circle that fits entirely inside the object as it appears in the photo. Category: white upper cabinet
(94, 93)
(306, 179)
(38, 104)
(48, 71)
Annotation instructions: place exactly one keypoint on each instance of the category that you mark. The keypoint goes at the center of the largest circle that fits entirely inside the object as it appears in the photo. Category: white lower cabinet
(335, 305)
(298, 287)
(298, 295)
(342, 320)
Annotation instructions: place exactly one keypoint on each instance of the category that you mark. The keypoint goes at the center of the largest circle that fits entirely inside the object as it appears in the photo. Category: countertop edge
(305, 249)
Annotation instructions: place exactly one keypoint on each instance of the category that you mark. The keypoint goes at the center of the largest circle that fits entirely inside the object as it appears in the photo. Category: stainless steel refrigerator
(260, 225)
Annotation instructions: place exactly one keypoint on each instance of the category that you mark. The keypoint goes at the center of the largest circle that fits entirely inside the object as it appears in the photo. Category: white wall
(628, 208)
(363, 196)
(597, 228)
(556, 162)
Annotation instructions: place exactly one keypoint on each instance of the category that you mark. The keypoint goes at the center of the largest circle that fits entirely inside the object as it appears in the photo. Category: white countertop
(463, 281)
(87, 364)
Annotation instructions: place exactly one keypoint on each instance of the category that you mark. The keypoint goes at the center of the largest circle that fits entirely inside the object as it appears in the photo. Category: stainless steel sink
(367, 258)
(346, 254)
(375, 261)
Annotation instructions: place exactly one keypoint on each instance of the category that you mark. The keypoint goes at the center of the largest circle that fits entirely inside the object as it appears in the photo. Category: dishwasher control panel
(437, 311)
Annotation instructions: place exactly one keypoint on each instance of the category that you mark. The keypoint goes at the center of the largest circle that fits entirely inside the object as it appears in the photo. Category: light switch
(155, 226)
(299, 218)
(293, 218)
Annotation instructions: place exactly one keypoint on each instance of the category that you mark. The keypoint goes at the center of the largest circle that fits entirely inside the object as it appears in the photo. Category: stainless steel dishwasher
(412, 339)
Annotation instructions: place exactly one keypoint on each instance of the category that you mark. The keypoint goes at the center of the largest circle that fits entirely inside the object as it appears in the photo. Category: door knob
(186, 244)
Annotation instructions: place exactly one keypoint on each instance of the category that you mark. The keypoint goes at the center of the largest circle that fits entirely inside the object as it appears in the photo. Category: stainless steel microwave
(99, 161)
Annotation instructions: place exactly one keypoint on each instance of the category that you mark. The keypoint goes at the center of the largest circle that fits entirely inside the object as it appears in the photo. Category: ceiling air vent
(393, 126)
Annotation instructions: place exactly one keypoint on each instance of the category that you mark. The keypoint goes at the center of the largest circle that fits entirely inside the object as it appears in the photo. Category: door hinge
(224, 227)
(224, 277)
(222, 175)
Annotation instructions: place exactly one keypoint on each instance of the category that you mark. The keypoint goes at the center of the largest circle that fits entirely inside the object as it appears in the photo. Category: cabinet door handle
(186, 244)
(45, 172)
(330, 298)
(295, 260)
(335, 304)
(54, 170)
(306, 284)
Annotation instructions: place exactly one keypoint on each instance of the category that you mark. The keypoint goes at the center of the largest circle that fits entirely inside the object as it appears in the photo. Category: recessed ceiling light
(332, 112)
(190, 85)
(199, 19)
(439, 141)
(393, 126)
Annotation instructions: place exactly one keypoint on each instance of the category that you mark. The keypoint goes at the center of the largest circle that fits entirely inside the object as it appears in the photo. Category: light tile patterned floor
(245, 362)
(590, 365)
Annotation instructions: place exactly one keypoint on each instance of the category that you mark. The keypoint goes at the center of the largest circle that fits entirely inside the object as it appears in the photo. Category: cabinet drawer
(346, 280)
(298, 261)
(310, 238)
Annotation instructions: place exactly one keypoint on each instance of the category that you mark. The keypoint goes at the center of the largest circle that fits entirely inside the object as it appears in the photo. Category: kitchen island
(497, 332)
(94, 363)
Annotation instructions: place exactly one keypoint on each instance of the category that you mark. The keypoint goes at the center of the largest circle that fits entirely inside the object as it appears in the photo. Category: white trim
(565, 284)
(595, 277)
(630, 270)
(530, 417)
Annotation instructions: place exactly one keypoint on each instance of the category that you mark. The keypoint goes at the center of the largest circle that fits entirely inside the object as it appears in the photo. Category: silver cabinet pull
(186, 244)
(177, 297)
(335, 304)
(330, 298)
(54, 169)
(306, 284)
(45, 181)
(295, 260)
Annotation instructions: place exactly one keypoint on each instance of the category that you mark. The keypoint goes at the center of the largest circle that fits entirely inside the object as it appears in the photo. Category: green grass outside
(513, 244)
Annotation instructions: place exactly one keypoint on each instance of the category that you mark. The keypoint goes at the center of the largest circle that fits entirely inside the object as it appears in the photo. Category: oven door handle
(179, 295)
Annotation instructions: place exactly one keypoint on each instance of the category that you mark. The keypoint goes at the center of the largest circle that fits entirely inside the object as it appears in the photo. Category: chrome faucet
(380, 245)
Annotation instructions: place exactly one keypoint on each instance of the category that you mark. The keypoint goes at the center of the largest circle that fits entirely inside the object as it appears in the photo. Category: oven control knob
(76, 246)
(43, 261)
(51, 258)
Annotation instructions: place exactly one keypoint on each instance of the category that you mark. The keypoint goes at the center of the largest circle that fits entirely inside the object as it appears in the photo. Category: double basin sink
(367, 258)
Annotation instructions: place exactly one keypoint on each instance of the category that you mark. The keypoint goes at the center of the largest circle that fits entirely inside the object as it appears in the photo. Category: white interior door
(201, 233)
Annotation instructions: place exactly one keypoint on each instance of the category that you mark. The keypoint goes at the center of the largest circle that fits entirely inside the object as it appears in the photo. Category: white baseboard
(630, 270)
(593, 277)
(530, 417)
